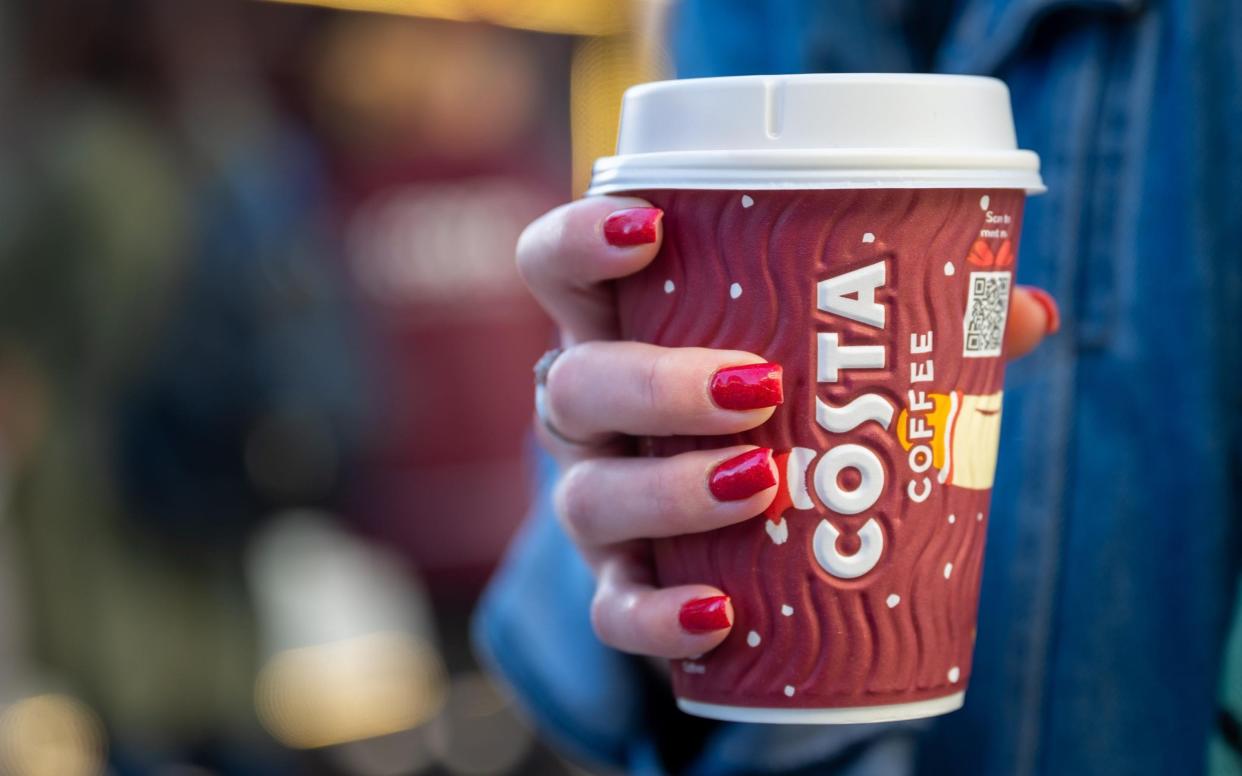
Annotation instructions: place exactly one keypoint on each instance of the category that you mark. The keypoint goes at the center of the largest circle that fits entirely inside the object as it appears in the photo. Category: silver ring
(542, 367)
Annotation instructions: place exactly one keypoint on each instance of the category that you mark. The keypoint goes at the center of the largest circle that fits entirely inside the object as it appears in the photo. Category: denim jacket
(1113, 548)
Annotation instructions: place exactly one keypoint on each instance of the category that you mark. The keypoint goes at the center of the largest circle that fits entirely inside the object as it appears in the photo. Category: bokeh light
(574, 17)
(51, 735)
(265, 388)
(478, 733)
(399, 754)
(351, 690)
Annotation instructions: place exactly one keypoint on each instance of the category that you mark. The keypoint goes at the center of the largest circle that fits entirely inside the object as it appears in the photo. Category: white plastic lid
(839, 131)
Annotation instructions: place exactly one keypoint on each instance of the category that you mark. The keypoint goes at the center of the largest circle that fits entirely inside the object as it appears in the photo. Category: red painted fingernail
(1052, 312)
(632, 226)
(742, 476)
(748, 387)
(703, 615)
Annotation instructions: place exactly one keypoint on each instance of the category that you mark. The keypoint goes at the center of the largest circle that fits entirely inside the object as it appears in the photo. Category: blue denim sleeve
(533, 630)
(1116, 541)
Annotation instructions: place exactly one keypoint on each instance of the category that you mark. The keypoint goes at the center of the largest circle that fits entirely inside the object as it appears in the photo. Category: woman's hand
(600, 390)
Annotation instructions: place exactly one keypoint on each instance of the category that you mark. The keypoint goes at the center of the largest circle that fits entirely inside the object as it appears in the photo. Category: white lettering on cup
(851, 295)
(795, 474)
(920, 458)
(838, 459)
(862, 282)
(919, 401)
(869, 406)
(852, 566)
(833, 357)
(917, 428)
(921, 343)
(922, 372)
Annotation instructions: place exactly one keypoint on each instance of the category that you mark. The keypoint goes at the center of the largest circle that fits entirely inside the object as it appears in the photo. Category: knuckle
(561, 387)
(601, 623)
(526, 254)
(573, 500)
(665, 495)
(660, 381)
(537, 245)
(613, 617)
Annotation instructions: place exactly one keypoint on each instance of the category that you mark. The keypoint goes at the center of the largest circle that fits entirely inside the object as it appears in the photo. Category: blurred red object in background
(442, 167)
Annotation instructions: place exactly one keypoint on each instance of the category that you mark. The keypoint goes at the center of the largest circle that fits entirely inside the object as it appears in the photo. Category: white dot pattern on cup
(979, 517)
(691, 667)
(778, 532)
(949, 269)
(984, 201)
(955, 673)
(747, 201)
(868, 237)
(669, 286)
(962, 544)
(735, 290)
(789, 690)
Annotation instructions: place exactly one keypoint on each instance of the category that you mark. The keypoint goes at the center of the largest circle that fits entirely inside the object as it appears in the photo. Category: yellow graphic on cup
(965, 434)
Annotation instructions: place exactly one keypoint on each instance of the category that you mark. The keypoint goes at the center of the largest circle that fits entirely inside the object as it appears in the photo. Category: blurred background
(265, 370)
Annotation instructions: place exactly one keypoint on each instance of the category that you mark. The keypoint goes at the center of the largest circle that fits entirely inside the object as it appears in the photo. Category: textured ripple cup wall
(879, 277)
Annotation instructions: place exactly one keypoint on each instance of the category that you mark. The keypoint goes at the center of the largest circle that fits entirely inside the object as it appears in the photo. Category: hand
(600, 391)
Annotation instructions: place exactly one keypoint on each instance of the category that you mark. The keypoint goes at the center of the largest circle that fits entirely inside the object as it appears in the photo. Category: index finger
(565, 256)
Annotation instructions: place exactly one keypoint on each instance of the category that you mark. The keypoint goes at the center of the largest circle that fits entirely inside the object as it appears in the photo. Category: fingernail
(748, 387)
(742, 476)
(1052, 313)
(632, 226)
(703, 615)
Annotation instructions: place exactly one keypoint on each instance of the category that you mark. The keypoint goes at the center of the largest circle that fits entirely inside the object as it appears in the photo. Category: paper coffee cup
(861, 231)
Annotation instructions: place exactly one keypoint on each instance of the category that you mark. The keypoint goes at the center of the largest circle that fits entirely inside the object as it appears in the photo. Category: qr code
(987, 307)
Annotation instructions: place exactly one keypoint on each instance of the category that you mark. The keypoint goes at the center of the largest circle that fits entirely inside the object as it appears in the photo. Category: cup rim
(828, 168)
